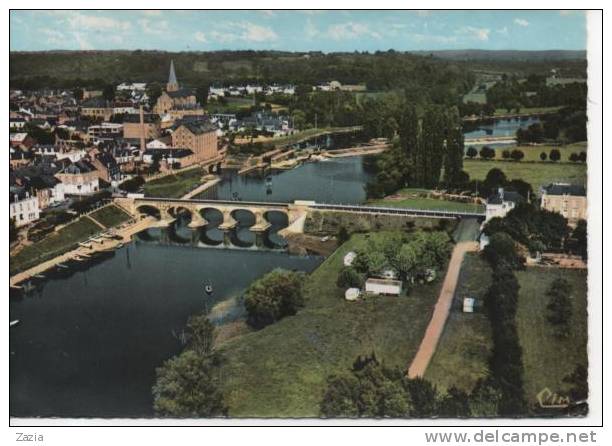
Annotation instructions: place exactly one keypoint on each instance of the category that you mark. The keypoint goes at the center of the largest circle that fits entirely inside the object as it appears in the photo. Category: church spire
(172, 84)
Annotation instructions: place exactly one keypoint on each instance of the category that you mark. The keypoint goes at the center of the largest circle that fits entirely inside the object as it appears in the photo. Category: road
(441, 310)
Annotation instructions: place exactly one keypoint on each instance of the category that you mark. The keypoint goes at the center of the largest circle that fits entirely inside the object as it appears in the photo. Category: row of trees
(501, 302)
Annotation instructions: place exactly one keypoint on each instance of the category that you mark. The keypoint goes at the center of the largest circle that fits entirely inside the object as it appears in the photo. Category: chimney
(142, 133)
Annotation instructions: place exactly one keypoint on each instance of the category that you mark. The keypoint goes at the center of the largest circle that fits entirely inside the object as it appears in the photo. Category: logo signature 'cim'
(547, 398)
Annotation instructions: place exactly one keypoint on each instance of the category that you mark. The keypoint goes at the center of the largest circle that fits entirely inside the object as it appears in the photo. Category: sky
(326, 31)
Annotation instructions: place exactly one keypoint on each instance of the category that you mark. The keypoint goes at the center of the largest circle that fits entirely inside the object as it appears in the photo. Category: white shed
(352, 294)
(468, 304)
(349, 257)
(383, 286)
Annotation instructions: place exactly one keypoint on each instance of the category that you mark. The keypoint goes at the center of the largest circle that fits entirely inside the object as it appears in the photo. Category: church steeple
(172, 84)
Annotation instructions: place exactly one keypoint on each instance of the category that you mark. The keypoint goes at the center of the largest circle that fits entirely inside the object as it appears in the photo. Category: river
(88, 345)
(497, 128)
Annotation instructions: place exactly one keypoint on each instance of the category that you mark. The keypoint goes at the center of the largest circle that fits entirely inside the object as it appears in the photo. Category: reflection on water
(339, 180)
(499, 127)
(88, 342)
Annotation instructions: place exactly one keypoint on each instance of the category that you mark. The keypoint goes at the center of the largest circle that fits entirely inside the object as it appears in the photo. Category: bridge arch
(149, 210)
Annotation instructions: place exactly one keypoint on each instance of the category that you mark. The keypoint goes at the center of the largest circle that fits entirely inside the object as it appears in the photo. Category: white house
(468, 305)
(387, 287)
(24, 209)
(501, 203)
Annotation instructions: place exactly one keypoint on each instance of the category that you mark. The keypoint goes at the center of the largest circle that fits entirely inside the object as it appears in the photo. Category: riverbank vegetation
(533, 153)
(53, 245)
(110, 216)
(282, 369)
(415, 198)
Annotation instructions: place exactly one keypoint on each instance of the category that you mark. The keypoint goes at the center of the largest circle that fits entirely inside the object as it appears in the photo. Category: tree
(200, 334)
(349, 278)
(13, 233)
(506, 154)
(274, 296)
(560, 305)
(454, 404)
(578, 242)
(156, 159)
(484, 399)
(582, 157)
(487, 153)
(495, 179)
(153, 91)
(555, 155)
(453, 160)
(202, 94)
(343, 235)
(370, 390)
(189, 386)
(502, 249)
(517, 155)
(574, 157)
(543, 156)
(424, 397)
(108, 93)
(471, 152)
(133, 184)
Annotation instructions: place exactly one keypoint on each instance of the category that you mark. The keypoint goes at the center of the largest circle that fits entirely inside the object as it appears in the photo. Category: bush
(348, 277)
(543, 156)
(132, 185)
(471, 152)
(517, 155)
(555, 155)
(502, 250)
(560, 305)
(487, 153)
(274, 296)
(506, 154)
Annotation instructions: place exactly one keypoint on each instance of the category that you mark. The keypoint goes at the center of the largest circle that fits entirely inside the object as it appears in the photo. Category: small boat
(13, 323)
(39, 276)
(62, 265)
(208, 288)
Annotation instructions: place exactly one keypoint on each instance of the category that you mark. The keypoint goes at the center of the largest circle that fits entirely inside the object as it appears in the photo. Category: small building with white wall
(501, 203)
(386, 287)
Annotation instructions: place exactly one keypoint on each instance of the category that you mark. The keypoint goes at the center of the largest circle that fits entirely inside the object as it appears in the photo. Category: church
(175, 102)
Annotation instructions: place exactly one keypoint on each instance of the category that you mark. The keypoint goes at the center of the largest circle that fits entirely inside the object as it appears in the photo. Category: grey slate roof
(565, 189)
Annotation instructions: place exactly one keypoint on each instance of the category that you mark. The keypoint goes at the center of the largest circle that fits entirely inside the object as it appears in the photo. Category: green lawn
(547, 358)
(110, 216)
(174, 186)
(408, 198)
(462, 354)
(53, 245)
(536, 174)
(281, 371)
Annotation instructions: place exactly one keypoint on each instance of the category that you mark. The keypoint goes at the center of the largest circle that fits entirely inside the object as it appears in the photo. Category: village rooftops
(181, 93)
(147, 118)
(564, 189)
(199, 127)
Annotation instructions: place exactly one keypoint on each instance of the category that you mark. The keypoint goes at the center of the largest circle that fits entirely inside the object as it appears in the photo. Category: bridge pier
(227, 240)
(228, 221)
(261, 224)
(197, 221)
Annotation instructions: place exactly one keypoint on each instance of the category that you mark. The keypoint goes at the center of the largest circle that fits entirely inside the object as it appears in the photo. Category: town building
(177, 102)
(97, 108)
(132, 128)
(198, 136)
(80, 178)
(499, 204)
(23, 207)
(569, 200)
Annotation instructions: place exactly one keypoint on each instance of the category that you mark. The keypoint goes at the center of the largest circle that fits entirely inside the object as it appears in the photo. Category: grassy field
(536, 174)
(547, 358)
(174, 186)
(533, 153)
(462, 354)
(110, 216)
(53, 245)
(407, 198)
(282, 370)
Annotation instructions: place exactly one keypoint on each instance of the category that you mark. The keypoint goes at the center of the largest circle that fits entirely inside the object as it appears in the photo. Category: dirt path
(440, 314)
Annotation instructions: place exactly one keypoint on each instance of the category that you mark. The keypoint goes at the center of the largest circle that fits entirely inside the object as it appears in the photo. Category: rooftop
(565, 189)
